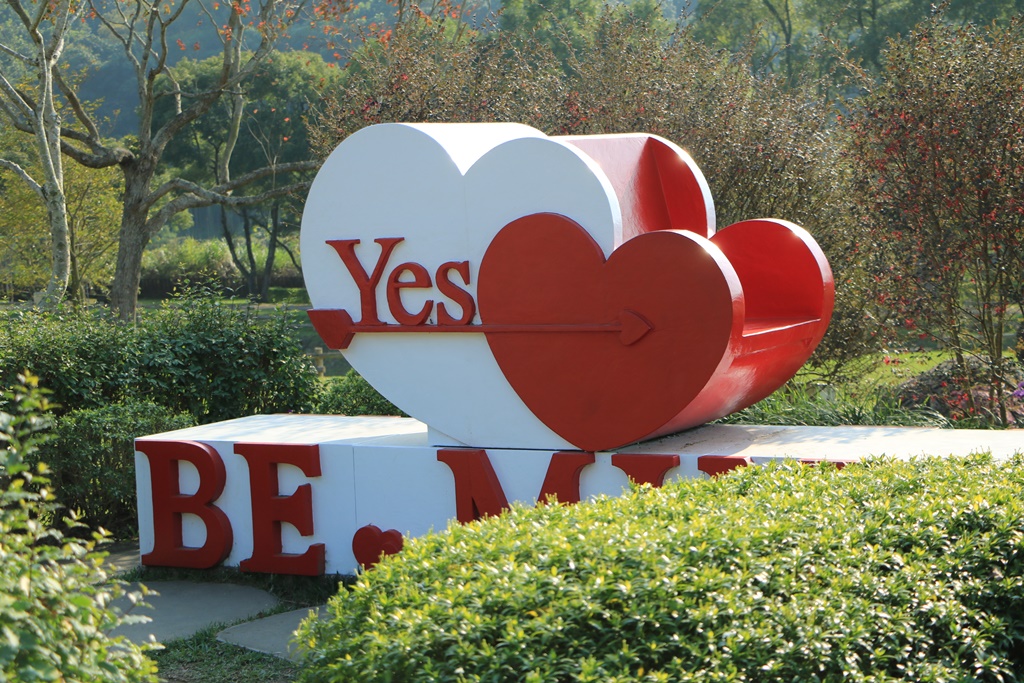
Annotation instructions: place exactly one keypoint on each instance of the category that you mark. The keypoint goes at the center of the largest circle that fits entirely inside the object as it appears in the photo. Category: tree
(34, 110)
(940, 151)
(275, 99)
(92, 198)
(247, 33)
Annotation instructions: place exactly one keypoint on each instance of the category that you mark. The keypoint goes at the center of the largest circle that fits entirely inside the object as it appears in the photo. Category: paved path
(179, 609)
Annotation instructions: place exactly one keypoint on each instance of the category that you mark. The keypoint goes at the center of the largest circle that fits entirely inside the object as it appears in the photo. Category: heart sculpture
(707, 348)
(595, 389)
(370, 544)
(552, 293)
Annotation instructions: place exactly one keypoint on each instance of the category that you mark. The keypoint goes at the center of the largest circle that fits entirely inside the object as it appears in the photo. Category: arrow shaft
(337, 328)
(485, 328)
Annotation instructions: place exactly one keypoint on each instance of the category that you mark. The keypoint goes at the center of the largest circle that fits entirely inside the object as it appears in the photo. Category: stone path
(179, 609)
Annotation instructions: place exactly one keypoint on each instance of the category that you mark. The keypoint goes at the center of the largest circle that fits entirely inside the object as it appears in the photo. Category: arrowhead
(634, 327)
(333, 325)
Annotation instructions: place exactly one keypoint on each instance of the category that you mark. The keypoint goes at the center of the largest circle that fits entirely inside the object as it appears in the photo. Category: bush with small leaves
(92, 460)
(54, 596)
(353, 395)
(879, 572)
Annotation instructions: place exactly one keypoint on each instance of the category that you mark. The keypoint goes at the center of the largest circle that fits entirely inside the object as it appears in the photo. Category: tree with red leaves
(938, 146)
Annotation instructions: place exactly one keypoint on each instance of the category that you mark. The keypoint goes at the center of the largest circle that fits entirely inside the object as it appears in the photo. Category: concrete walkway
(180, 609)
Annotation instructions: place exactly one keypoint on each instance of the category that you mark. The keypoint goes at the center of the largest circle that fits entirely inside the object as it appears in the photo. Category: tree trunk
(268, 266)
(134, 236)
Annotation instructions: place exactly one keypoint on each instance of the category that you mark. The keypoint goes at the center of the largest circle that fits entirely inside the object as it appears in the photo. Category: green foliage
(92, 460)
(353, 395)
(54, 602)
(178, 262)
(83, 356)
(800, 405)
(93, 213)
(194, 354)
(218, 361)
(883, 572)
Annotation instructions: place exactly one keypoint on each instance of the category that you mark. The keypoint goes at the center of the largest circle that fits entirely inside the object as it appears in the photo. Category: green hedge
(888, 571)
(353, 395)
(194, 354)
(92, 460)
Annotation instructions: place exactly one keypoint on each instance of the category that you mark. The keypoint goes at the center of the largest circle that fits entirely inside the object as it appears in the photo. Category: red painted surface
(562, 481)
(657, 188)
(367, 283)
(592, 389)
(397, 282)
(478, 492)
(370, 544)
(714, 465)
(270, 509)
(645, 468)
(456, 293)
(169, 504)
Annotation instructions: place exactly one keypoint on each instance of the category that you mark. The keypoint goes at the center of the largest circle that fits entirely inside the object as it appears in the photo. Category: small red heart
(370, 544)
(609, 352)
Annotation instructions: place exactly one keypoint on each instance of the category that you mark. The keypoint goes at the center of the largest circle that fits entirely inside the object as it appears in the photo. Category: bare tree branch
(221, 194)
(23, 174)
(200, 196)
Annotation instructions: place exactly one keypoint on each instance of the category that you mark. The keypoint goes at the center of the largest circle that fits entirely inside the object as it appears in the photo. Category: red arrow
(336, 328)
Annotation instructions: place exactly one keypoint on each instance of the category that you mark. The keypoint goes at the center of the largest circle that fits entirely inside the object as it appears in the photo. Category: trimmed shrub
(82, 355)
(194, 354)
(879, 572)
(92, 459)
(218, 361)
(178, 262)
(353, 395)
(54, 596)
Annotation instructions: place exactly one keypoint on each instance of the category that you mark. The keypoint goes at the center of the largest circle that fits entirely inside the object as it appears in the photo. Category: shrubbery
(194, 360)
(353, 395)
(195, 354)
(92, 458)
(886, 571)
(54, 604)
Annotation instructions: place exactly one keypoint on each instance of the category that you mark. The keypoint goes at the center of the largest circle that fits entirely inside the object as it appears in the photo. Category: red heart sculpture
(370, 544)
(606, 352)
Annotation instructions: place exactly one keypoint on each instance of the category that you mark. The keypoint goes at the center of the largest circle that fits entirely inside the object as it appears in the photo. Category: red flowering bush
(937, 148)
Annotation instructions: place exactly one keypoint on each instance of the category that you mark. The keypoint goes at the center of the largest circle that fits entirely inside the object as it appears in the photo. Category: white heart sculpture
(447, 190)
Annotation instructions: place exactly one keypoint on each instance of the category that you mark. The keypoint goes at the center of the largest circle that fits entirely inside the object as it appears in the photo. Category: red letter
(367, 284)
(270, 508)
(457, 294)
(169, 504)
(563, 477)
(420, 280)
(714, 465)
(478, 492)
(644, 468)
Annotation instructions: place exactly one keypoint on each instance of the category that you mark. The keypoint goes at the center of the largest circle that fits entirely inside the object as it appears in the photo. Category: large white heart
(447, 190)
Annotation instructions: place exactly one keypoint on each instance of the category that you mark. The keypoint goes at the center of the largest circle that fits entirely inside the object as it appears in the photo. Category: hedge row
(879, 572)
(193, 354)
